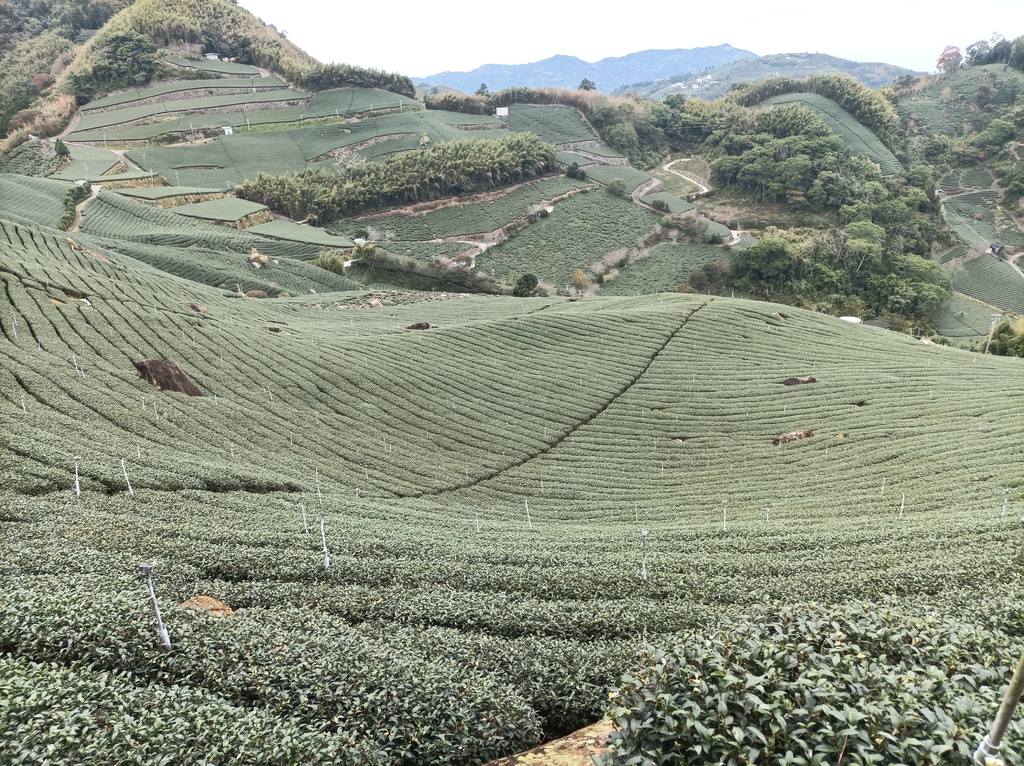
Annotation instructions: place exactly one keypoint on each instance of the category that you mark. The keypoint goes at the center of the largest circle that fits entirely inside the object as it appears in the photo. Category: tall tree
(949, 60)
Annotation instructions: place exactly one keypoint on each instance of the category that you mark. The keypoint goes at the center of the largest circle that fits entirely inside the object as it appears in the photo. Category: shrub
(809, 684)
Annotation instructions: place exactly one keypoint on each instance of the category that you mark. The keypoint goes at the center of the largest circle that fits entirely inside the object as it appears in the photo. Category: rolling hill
(717, 82)
(441, 529)
(568, 71)
(396, 526)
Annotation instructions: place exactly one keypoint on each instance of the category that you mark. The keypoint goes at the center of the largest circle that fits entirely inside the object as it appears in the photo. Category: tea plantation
(445, 545)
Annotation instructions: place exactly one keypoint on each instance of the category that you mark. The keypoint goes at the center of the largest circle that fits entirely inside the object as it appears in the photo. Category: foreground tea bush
(810, 685)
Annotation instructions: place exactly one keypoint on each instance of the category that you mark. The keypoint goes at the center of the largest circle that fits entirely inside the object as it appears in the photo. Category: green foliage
(992, 280)
(997, 133)
(40, 200)
(75, 195)
(867, 106)
(586, 84)
(626, 118)
(126, 59)
(525, 286)
(662, 270)
(1008, 339)
(446, 169)
(575, 171)
(32, 159)
(809, 684)
(426, 640)
(856, 137)
(507, 211)
(376, 266)
(771, 262)
(582, 230)
(331, 76)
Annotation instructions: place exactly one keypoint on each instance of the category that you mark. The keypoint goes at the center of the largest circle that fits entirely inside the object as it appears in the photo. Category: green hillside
(963, 101)
(466, 444)
(482, 487)
(856, 137)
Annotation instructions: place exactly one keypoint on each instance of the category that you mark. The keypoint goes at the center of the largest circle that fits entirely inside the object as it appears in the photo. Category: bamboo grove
(447, 169)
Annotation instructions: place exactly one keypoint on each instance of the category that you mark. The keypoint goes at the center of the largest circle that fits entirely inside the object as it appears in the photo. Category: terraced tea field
(963, 320)
(432, 539)
(580, 231)
(465, 220)
(992, 280)
(663, 269)
(229, 160)
(856, 137)
(554, 123)
(949, 105)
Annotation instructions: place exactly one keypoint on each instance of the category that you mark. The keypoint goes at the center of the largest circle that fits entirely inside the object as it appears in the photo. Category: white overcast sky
(420, 39)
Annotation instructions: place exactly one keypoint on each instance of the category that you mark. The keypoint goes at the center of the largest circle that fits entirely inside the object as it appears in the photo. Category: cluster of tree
(377, 265)
(869, 107)
(445, 170)
(36, 40)
(779, 155)
(126, 60)
(848, 270)
(325, 77)
(997, 50)
(1008, 338)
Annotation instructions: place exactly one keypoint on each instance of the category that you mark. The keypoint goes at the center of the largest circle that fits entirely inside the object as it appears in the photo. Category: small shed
(501, 111)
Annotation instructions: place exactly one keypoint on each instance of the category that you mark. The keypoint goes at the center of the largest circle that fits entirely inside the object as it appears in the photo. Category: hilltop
(716, 82)
(607, 75)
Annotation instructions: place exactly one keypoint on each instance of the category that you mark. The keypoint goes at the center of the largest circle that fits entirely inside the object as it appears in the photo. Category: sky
(459, 35)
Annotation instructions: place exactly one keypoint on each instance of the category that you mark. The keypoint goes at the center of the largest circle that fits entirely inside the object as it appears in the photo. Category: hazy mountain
(714, 83)
(607, 74)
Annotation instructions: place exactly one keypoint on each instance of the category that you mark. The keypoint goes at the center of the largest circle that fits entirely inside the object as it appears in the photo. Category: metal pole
(987, 753)
(147, 568)
(643, 554)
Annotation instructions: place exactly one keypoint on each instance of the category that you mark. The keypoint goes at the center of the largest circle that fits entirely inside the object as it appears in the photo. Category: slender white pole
(528, 521)
(643, 554)
(124, 468)
(323, 538)
(161, 629)
(78, 486)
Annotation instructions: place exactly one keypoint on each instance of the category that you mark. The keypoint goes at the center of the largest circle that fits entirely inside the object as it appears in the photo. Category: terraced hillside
(965, 100)
(856, 137)
(432, 539)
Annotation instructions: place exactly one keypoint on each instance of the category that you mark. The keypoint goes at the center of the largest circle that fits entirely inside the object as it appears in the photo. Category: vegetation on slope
(869, 107)
(128, 52)
(444, 170)
(463, 473)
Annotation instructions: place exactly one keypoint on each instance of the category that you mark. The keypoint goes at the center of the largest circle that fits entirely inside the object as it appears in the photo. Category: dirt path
(577, 749)
(71, 126)
(81, 205)
(689, 177)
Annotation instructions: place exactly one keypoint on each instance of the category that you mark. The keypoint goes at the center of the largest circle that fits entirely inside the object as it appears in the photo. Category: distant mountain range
(607, 74)
(716, 82)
